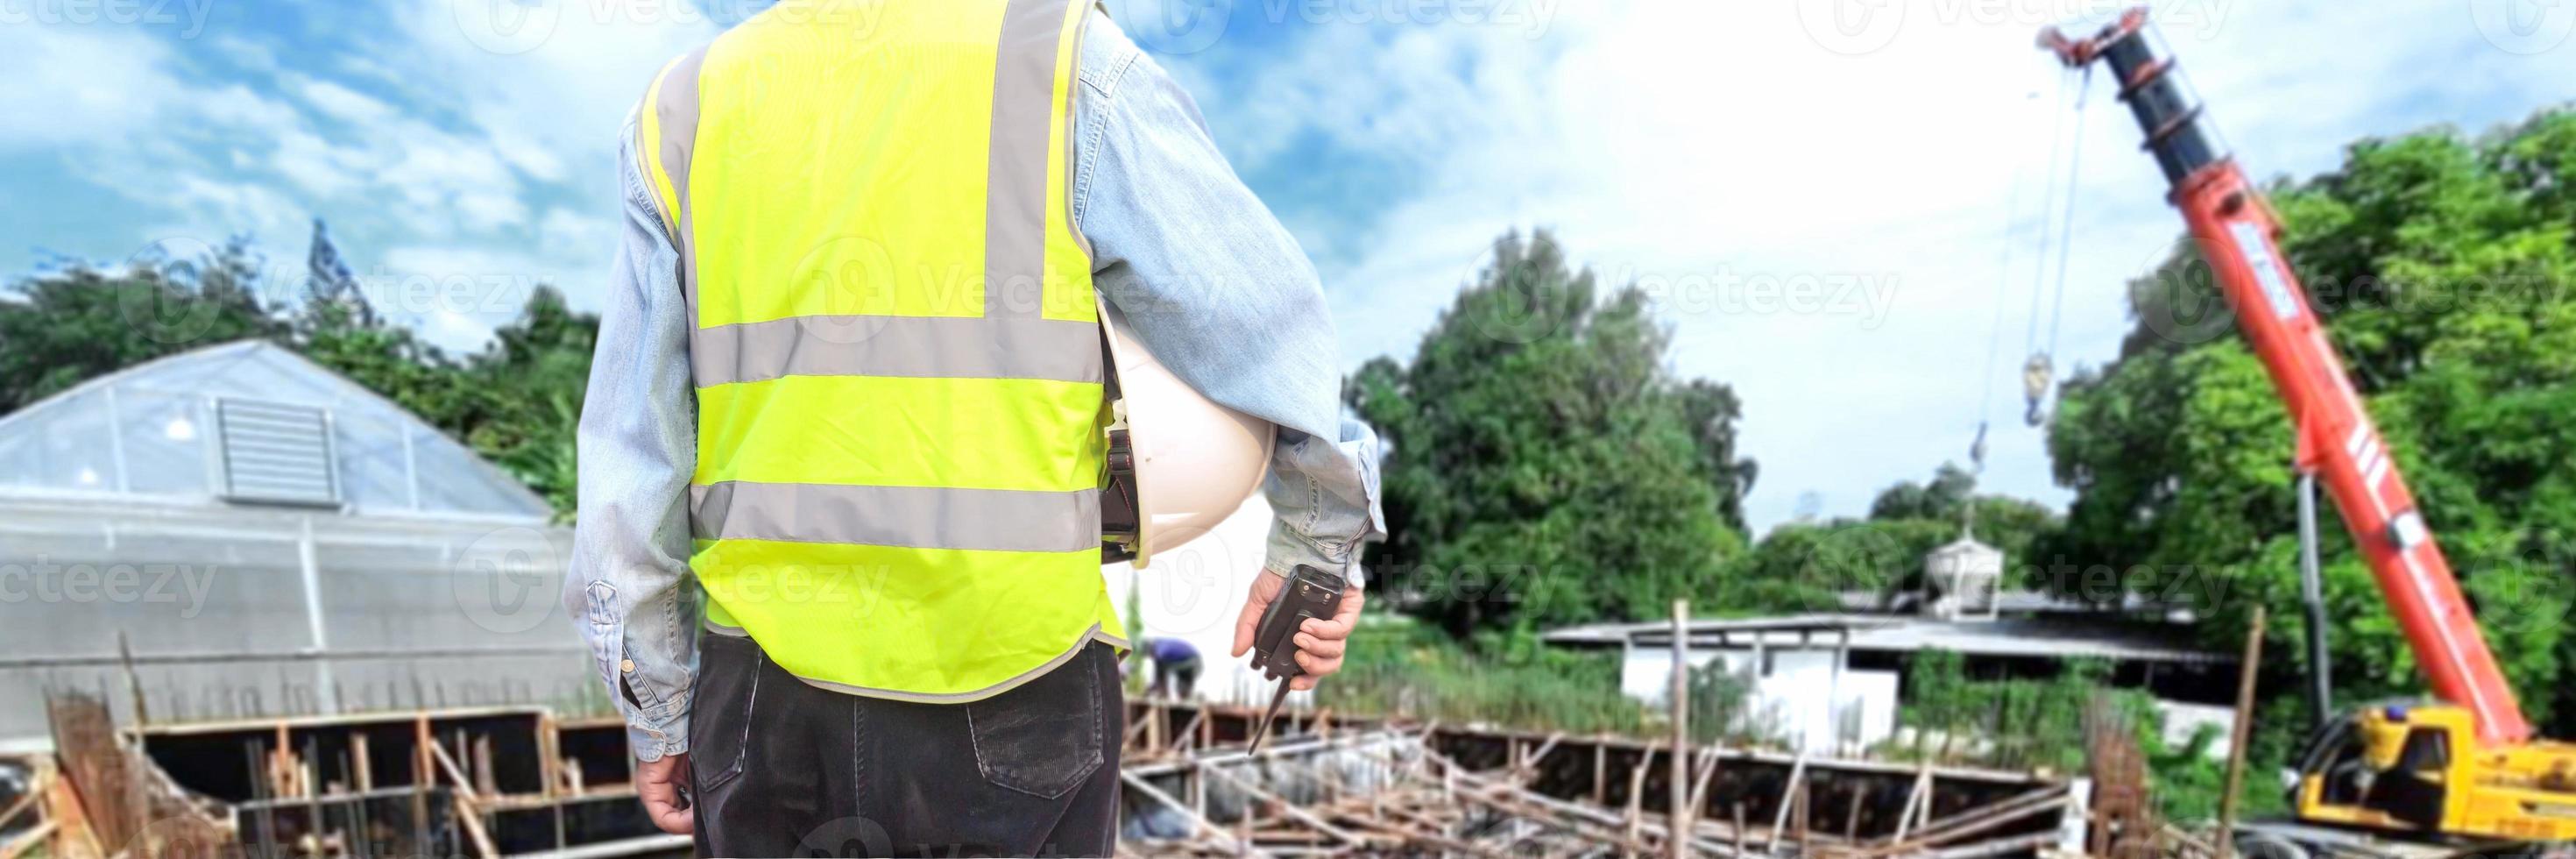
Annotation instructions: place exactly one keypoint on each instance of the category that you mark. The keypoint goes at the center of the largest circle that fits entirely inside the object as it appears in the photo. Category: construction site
(264, 609)
(507, 781)
(300, 702)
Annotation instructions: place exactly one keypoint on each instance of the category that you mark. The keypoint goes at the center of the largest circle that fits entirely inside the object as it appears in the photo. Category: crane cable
(2003, 288)
(2039, 372)
(2066, 219)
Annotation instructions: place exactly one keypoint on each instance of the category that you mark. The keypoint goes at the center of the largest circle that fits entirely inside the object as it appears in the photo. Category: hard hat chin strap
(1121, 512)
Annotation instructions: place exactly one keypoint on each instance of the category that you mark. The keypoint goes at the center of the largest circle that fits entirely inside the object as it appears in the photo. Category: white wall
(1800, 702)
(2181, 720)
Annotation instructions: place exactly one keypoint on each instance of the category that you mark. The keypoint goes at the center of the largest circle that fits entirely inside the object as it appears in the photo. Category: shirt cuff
(1289, 549)
(653, 744)
(658, 730)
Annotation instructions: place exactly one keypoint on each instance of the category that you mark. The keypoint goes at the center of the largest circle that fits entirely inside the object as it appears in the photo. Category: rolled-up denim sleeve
(1220, 292)
(628, 587)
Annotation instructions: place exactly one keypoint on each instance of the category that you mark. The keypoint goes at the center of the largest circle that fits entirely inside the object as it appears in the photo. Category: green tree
(2442, 266)
(2013, 525)
(1939, 498)
(63, 327)
(516, 401)
(1808, 566)
(537, 371)
(1544, 467)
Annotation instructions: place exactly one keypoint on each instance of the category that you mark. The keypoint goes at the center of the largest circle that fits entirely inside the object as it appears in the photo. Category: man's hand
(1319, 641)
(657, 784)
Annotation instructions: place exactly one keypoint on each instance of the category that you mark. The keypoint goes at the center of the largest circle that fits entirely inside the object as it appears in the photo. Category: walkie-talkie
(1310, 592)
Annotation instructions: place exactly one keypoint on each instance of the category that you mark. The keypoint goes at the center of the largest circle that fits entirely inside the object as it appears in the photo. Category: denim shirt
(1212, 284)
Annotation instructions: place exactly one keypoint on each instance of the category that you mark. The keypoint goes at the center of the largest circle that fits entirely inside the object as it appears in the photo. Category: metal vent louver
(275, 453)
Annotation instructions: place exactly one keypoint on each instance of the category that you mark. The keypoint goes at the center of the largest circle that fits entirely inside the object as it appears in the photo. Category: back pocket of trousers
(1043, 737)
(720, 727)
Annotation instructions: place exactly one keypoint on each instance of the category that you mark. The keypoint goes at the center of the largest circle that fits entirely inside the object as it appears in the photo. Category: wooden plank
(1196, 820)
(1699, 786)
(1637, 796)
(2243, 734)
(1600, 772)
(73, 837)
(21, 806)
(469, 810)
(27, 841)
(1680, 776)
(364, 762)
(1788, 791)
(1289, 808)
(95, 768)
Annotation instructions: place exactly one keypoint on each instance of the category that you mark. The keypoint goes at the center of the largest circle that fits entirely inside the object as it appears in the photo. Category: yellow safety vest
(895, 349)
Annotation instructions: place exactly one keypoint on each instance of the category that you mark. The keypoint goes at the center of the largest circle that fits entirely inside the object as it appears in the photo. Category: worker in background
(849, 379)
(1176, 667)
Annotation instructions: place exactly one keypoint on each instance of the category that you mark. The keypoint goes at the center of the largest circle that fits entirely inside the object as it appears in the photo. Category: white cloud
(1688, 140)
(77, 85)
(456, 294)
(555, 88)
(317, 166)
(1680, 141)
(435, 156)
(345, 104)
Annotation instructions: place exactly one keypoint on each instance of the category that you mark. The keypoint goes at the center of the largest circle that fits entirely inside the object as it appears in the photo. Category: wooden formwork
(1333, 786)
(482, 782)
(508, 781)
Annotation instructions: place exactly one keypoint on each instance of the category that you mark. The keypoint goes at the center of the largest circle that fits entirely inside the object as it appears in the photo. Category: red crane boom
(2236, 232)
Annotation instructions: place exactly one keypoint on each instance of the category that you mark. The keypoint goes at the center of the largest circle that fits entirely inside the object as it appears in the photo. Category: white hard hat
(1178, 462)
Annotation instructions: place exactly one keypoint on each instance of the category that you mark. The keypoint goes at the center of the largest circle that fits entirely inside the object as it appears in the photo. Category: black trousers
(782, 768)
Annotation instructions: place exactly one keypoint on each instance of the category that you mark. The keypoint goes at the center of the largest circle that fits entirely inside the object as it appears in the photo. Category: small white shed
(1963, 578)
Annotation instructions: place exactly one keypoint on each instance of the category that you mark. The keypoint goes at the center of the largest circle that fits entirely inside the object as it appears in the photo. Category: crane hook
(2036, 376)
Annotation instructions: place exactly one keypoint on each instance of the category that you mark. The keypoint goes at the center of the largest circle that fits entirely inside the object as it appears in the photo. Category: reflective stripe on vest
(895, 351)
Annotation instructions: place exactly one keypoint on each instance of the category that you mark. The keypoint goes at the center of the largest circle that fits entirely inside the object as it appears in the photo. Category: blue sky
(1861, 157)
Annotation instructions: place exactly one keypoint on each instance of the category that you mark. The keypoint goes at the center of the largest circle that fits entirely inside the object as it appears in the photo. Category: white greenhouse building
(237, 532)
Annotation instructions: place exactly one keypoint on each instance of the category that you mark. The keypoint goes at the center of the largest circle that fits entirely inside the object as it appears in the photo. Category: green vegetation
(1804, 566)
(2443, 267)
(1532, 432)
(2033, 723)
(1544, 466)
(1397, 665)
(515, 402)
(2014, 723)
